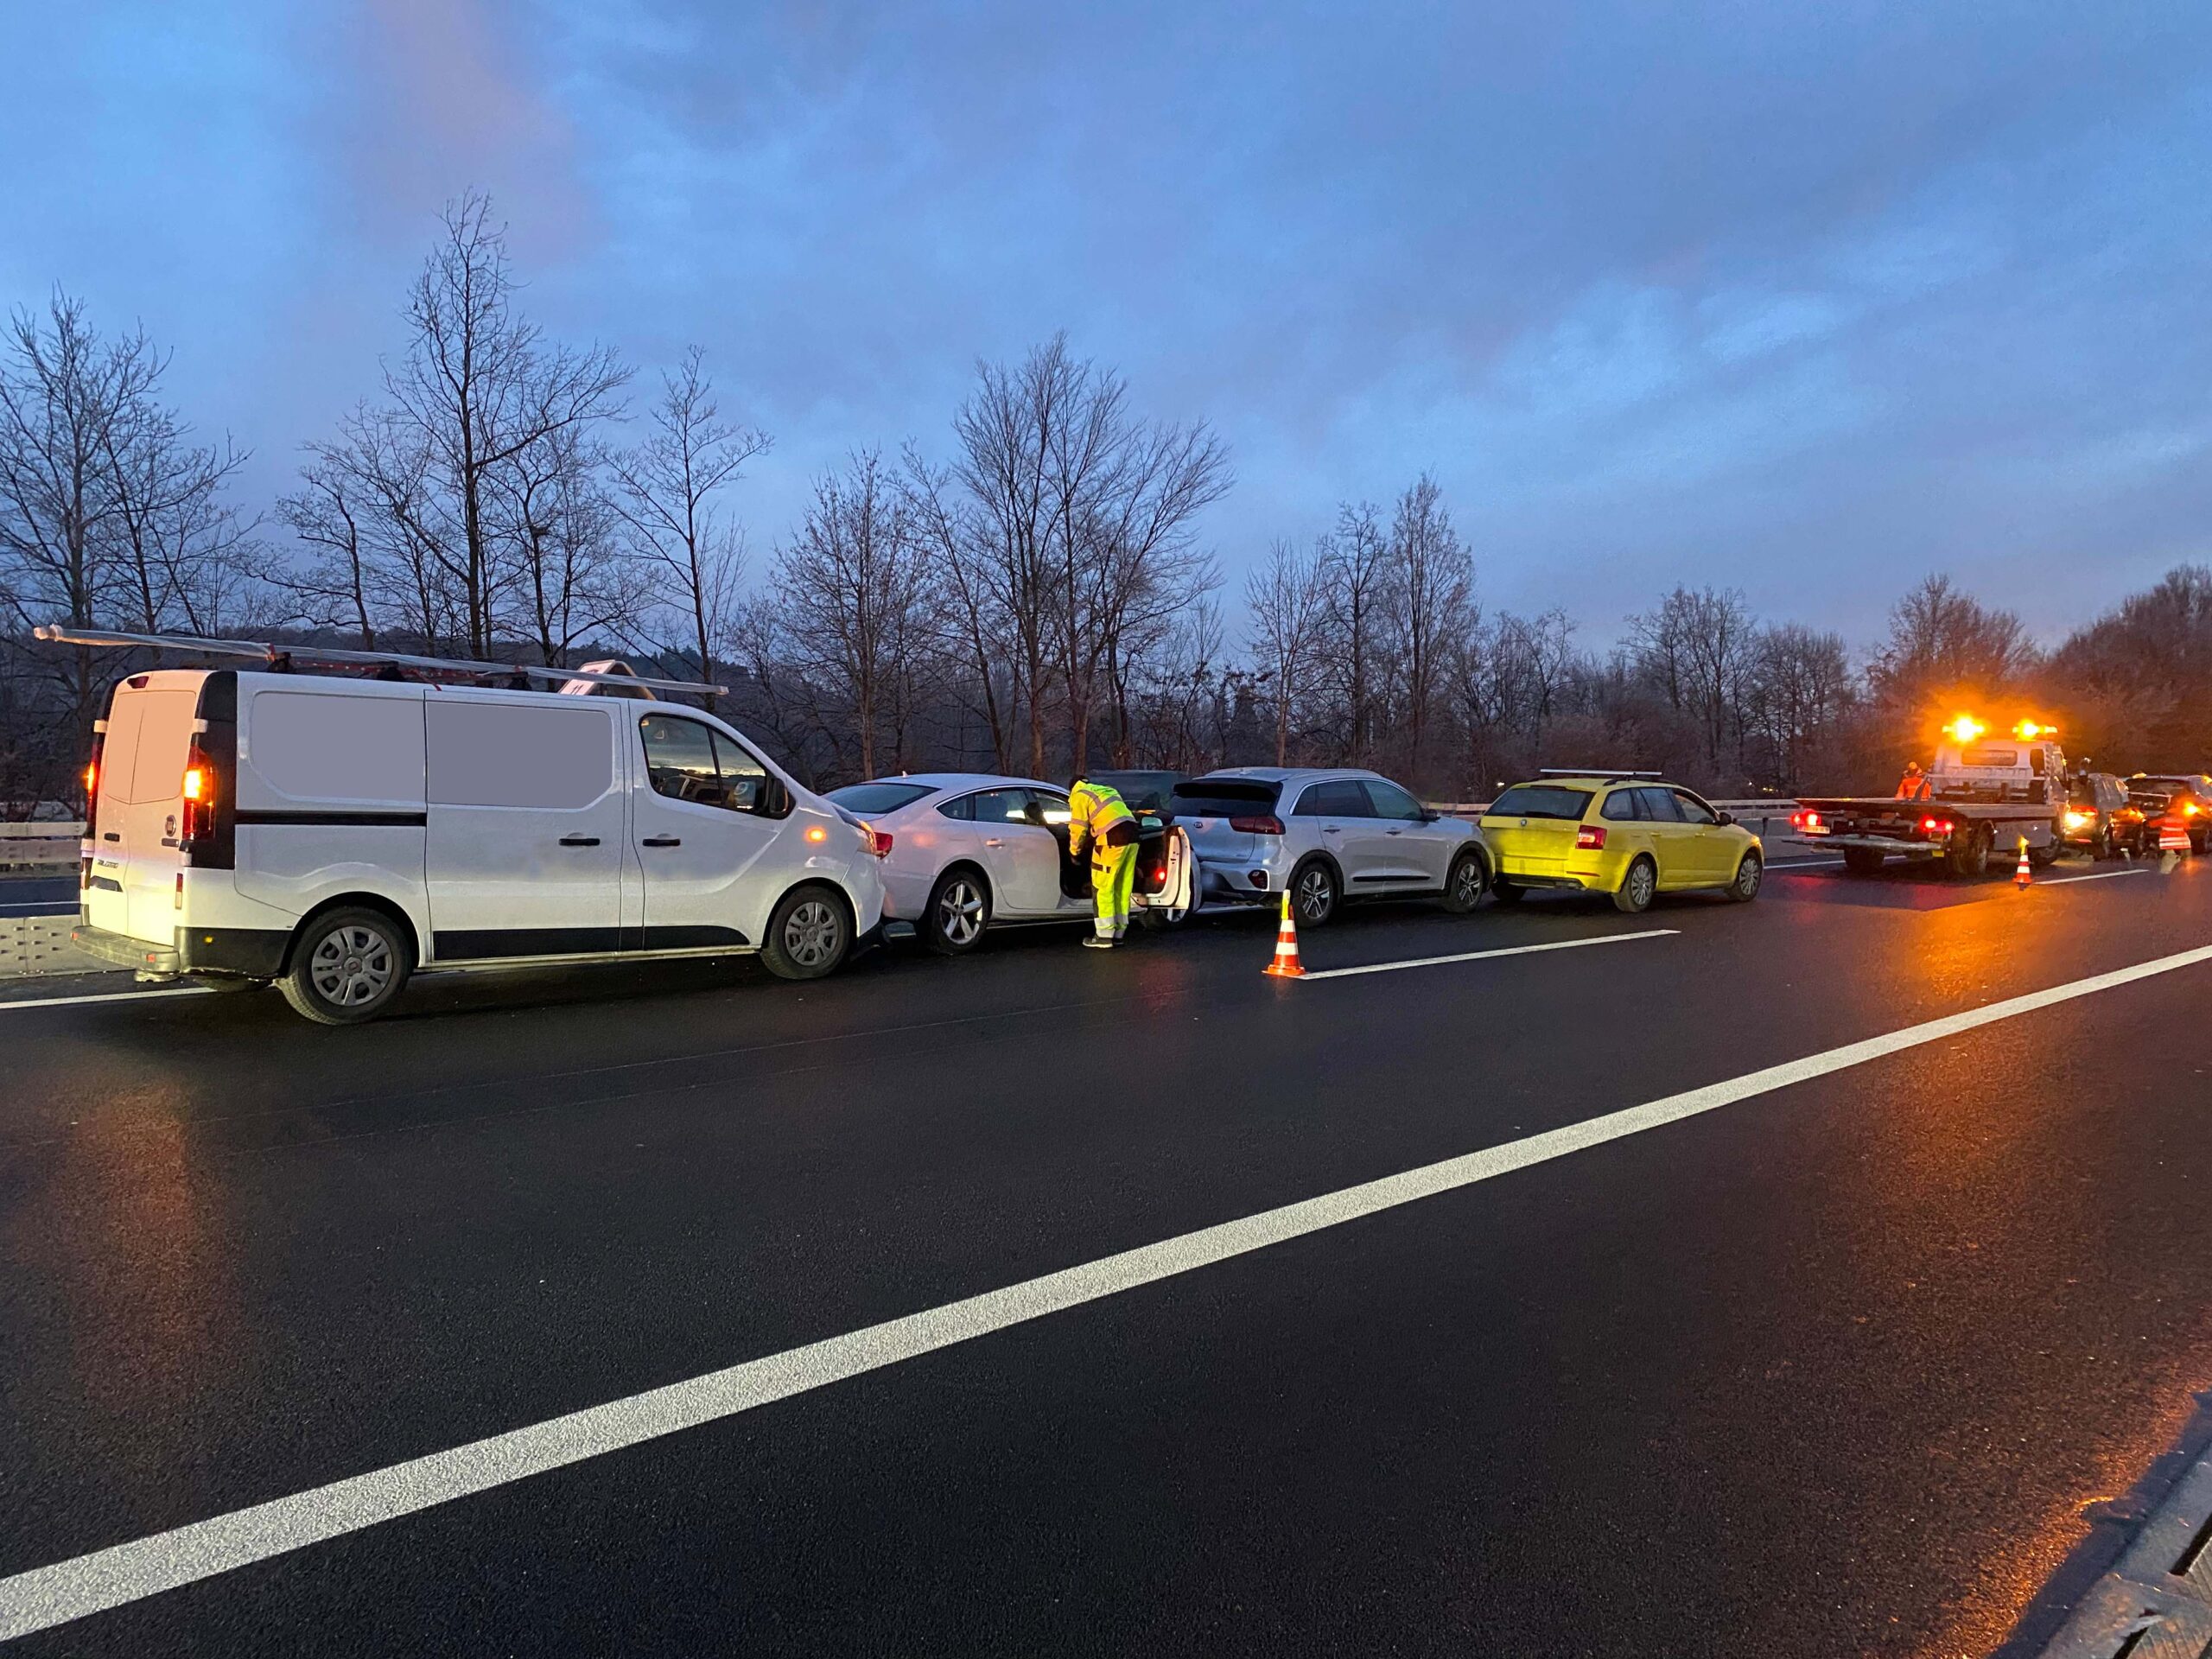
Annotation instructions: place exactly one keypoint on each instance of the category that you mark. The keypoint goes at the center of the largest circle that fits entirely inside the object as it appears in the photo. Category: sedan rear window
(1224, 798)
(1540, 801)
(878, 796)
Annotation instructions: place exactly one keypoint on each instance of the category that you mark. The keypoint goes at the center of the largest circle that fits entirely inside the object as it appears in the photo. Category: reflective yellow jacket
(1093, 809)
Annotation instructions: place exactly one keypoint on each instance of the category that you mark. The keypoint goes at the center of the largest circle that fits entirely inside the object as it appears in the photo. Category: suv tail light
(1268, 824)
(1590, 838)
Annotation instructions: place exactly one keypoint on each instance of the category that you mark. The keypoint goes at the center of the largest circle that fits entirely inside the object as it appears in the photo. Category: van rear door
(136, 853)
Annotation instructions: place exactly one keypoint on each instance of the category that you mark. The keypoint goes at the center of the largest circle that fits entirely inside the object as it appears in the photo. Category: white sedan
(966, 851)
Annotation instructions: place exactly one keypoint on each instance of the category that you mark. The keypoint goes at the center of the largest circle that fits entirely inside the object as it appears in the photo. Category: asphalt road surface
(38, 895)
(1825, 1361)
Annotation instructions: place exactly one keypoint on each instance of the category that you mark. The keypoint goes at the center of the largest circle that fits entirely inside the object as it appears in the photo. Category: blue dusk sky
(1810, 299)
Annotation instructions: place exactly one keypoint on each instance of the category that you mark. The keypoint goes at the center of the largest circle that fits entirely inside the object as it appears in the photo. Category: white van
(334, 834)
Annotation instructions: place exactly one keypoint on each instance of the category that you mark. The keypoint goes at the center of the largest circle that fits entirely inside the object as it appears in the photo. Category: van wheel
(1463, 889)
(809, 935)
(346, 967)
(1638, 888)
(958, 911)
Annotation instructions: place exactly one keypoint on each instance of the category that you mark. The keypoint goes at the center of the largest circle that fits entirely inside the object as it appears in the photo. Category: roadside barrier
(40, 846)
(1285, 965)
(31, 946)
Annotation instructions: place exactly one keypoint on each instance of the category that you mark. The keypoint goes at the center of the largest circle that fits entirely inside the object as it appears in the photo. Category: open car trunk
(1156, 865)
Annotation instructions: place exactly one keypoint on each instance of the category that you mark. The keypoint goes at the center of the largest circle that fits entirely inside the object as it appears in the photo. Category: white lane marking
(1485, 955)
(2102, 875)
(103, 997)
(48, 1595)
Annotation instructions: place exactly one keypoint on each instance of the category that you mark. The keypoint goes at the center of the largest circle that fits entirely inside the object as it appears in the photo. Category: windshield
(1540, 801)
(1225, 798)
(884, 796)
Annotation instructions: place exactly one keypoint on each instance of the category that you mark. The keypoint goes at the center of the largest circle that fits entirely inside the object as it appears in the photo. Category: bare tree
(976, 621)
(480, 385)
(1358, 566)
(1434, 581)
(1287, 599)
(1697, 648)
(572, 579)
(1944, 643)
(187, 555)
(670, 497)
(855, 594)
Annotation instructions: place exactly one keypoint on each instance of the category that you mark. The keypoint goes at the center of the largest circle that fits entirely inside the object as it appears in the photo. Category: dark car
(2186, 796)
(1145, 791)
(2100, 818)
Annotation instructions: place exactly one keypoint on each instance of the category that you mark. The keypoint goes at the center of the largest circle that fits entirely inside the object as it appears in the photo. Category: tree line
(1032, 595)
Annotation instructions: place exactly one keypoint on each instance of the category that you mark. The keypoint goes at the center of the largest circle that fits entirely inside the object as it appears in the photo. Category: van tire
(809, 933)
(346, 966)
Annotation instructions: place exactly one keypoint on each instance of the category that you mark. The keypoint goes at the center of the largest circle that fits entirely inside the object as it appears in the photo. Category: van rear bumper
(245, 952)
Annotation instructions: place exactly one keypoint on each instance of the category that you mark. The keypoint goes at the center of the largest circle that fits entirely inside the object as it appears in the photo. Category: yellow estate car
(1626, 836)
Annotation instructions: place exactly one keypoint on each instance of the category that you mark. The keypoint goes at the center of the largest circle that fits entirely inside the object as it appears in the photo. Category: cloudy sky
(1810, 299)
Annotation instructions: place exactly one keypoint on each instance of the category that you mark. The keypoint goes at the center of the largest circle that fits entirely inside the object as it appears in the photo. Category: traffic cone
(2020, 877)
(2172, 838)
(1286, 964)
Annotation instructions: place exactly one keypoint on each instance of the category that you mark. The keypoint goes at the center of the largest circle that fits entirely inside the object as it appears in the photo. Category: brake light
(1590, 838)
(879, 841)
(1937, 826)
(1807, 819)
(92, 783)
(1268, 825)
(195, 783)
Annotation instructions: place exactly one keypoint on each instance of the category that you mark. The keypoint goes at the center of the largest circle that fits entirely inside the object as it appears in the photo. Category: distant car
(1325, 836)
(1630, 838)
(965, 852)
(2100, 819)
(2184, 796)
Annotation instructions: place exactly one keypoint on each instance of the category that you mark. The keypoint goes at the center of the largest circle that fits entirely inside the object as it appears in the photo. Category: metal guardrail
(40, 845)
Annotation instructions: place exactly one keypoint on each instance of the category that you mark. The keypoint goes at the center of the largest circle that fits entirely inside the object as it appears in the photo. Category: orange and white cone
(1285, 965)
(2021, 877)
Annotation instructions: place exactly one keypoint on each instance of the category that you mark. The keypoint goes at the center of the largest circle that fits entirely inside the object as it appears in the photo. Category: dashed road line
(103, 997)
(1485, 955)
(48, 1595)
(2101, 875)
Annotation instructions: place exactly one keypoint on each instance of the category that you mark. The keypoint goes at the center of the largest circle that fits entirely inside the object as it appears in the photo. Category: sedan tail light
(1590, 838)
(879, 841)
(1268, 825)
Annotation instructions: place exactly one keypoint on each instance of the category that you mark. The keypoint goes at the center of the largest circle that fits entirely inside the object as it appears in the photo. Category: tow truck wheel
(1638, 888)
(1970, 853)
(2042, 858)
(1862, 861)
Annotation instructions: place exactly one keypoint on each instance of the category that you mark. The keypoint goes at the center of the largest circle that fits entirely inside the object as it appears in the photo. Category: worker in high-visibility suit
(1099, 818)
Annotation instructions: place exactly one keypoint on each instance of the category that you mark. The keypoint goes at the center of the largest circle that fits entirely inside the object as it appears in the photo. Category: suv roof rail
(283, 657)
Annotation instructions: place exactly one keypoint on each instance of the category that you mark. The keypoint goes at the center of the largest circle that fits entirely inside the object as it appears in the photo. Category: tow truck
(1981, 794)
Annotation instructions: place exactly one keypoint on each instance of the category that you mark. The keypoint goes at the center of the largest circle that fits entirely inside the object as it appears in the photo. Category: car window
(1225, 798)
(1053, 805)
(1338, 799)
(1693, 809)
(1540, 801)
(1001, 806)
(1657, 805)
(1391, 802)
(1622, 806)
(962, 807)
(882, 796)
(680, 761)
(743, 776)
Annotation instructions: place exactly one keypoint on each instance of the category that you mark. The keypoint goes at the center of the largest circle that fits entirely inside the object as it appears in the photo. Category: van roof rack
(282, 658)
(1609, 775)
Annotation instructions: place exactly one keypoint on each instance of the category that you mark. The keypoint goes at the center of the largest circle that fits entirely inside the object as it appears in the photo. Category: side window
(1001, 806)
(744, 779)
(680, 761)
(1658, 806)
(1341, 799)
(1051, 808)
(1389, 801)
(962, 807)
(1693, 809)
(1621, 806)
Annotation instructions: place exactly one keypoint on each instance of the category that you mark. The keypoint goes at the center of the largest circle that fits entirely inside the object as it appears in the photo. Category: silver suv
(1324, 837)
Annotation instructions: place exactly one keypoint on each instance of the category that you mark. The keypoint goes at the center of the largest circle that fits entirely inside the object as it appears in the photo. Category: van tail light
(92, 784)
(1590, 838)
(198, 789)
(1268, 824)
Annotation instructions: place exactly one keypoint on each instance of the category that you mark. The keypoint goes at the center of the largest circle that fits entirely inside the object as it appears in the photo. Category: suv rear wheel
(1313, 893)
(348, 966)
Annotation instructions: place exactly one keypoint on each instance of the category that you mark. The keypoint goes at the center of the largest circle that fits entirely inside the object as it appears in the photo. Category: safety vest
(1093, 809)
